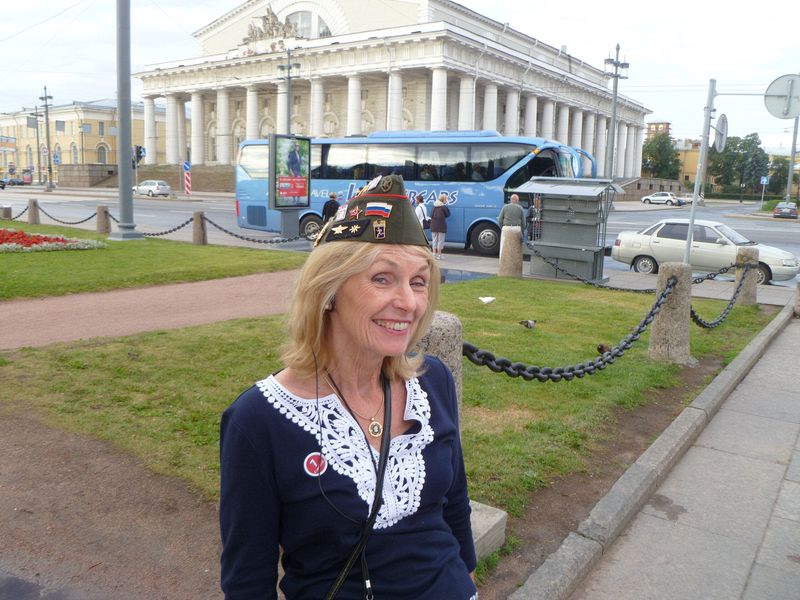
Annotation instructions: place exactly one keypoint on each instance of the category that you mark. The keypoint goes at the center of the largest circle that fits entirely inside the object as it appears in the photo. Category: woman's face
(377, 310)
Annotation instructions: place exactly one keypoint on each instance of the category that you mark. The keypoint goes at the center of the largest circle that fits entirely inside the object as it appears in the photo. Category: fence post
(445, 340)
(199, 233)
(510, 264)
(7, 213)
(33, 212)
(749, 292)
(103, 222)
(669, 331)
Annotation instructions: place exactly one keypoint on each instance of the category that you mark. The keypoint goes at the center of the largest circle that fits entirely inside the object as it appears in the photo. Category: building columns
(490, 107)
(251, 112)
(317, 117)
(562, 126)
(353, 105)
(548, 116)
(531, 107)
(181, 112)
(439, 99)
(622, 135)
(588, 140)
(512, 113)
(150, 132)
(576, 130)
(602, 145)
(223, 127)
(198, 154)
(394, 107)
(630, 147)
(281, 121)
(172, 130)
(466, 103)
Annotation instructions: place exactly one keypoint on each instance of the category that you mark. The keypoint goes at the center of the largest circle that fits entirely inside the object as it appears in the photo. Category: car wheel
(763, 274)
(150, 193)
(647, 200)
(669, 202)
(646, 265)
(310, 226)
(485, 239)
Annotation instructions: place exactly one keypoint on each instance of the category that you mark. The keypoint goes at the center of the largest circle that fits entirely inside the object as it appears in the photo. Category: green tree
(779, 172)
(755, 162)
(726, 165)
(659, 157)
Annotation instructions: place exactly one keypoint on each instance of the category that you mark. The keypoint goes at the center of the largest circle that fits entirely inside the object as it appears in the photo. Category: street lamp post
(288, 68)
(611, 143)
(49, 187)
(36, 114)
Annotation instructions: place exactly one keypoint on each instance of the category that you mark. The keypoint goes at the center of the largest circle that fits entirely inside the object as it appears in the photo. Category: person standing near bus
(439, 225)
(511, 215)
(330, 207)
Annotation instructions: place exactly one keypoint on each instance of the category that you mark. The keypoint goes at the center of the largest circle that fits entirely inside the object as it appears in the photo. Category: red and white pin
(315, 464)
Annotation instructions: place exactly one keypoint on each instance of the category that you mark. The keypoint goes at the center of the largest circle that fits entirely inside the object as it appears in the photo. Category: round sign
(722, 133)
(782, 97)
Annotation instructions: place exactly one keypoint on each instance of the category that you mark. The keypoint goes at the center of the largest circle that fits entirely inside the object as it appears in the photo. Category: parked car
(667, 198)
(2, 184)
(714, 247)
(786, 210)
(153, 187)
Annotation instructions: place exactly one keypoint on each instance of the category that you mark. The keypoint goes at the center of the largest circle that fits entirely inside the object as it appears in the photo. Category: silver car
(153, 187)
(714, 247)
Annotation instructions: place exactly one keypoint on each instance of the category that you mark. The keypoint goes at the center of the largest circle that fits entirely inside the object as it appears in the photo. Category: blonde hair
(326, 269)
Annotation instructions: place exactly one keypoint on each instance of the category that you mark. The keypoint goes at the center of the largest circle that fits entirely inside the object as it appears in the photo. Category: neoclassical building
(332, 68)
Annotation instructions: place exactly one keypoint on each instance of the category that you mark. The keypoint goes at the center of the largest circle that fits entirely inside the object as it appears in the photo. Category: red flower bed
(27, 240)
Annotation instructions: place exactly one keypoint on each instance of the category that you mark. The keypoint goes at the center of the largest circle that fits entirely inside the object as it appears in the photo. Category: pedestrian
(511, 215)
(439, 225)
(356, 438)
(330, 207)
(421, 211)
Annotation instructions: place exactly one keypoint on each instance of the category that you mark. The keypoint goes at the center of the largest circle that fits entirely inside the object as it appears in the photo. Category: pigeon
(603, 348)
(486, 299)
(529, 323)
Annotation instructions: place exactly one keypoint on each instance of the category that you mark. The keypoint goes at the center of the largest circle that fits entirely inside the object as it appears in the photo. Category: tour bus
(474, 169)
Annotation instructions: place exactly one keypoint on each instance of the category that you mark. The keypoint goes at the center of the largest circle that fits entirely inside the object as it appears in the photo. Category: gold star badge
(355, 228)
(338, 229)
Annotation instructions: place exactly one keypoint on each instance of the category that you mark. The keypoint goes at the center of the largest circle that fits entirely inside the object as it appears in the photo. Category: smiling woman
(357, 437)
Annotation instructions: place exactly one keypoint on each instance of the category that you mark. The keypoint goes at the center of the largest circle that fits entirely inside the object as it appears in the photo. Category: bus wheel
(310, 226)
(485, 239)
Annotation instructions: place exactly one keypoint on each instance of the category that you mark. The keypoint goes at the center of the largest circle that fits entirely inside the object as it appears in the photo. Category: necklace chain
(374, 428)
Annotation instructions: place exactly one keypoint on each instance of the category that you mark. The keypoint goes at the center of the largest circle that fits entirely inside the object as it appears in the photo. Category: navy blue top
(272, 494)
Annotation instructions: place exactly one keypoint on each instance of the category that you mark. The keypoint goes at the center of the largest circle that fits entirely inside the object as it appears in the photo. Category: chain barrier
(113, 218)
(249, 239)
(24, 210)
(529, 373)
(47, 214)
(698, 320)
(173, 230)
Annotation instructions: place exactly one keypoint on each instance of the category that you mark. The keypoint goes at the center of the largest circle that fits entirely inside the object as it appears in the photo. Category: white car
(153, 187)
(714, 247)
(667, 198)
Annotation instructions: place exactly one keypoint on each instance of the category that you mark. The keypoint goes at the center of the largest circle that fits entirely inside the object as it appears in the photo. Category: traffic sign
(187, 166)
(782, 97)
(765, 181)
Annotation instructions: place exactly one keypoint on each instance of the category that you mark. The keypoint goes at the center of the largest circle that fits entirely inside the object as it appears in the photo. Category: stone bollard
(445, 341)
(669, 331)
(33, 212)
(103, 221)
(797, 301)
(510, 264)
(6, 213)
(749, 292)
(199, 233)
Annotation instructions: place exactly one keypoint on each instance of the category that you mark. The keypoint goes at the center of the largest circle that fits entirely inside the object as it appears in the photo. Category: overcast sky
(673, 48)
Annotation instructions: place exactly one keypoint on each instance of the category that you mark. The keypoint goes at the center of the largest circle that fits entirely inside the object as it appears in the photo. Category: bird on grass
(529, 323)
(603, 348)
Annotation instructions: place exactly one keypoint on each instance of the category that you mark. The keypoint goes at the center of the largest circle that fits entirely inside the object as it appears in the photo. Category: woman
(350, 455)
(420, 211)
(439, 225)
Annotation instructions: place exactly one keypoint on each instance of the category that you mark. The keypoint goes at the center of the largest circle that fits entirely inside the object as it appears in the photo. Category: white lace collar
(344, 447)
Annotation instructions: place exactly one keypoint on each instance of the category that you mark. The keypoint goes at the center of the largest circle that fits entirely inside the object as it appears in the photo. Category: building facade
(328, 68)
(81, 133)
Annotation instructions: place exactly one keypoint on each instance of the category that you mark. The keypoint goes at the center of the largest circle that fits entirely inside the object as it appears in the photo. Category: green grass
(159, 395)
(126, 264)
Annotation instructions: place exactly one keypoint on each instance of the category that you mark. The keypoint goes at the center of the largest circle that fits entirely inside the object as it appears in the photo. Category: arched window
(309, 25)
(102, 154)
(73, 150)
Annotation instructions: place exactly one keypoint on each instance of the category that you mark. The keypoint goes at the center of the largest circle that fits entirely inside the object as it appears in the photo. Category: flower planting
(13, 240)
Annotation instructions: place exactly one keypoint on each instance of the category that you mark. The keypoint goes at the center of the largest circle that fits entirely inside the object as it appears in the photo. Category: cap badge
(379, 229)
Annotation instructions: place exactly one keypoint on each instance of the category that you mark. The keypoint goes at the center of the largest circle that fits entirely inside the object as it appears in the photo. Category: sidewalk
(712, 509)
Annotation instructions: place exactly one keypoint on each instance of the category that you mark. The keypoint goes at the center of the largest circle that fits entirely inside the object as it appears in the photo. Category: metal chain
(92, 216)
(532, 372)
(173, 230)
(24, 210)
(724, 314)
(256, 240)
(113, 218)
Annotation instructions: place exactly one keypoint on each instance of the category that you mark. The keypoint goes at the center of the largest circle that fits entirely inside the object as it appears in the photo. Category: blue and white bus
(475, 169)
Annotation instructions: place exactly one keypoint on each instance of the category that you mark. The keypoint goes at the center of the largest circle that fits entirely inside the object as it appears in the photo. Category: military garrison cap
(380, 213)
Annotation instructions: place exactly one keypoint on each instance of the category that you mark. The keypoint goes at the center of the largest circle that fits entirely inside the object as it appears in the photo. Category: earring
(329, 305)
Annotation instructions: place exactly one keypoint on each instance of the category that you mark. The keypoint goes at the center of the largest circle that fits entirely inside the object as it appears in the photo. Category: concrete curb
(563, 570)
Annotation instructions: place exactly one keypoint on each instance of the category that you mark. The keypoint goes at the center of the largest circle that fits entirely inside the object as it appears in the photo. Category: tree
(755, 162)
(724, 166)
(779, 173)
(660, 158)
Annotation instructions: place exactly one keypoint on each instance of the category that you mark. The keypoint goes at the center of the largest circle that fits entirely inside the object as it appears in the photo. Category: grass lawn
(159, 395)
(127, 264)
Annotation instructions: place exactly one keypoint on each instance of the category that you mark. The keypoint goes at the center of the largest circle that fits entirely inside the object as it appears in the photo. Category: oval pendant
(375, 429)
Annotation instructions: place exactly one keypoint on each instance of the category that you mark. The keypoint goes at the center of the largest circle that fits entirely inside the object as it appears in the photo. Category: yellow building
(689, 153)
(81, 133)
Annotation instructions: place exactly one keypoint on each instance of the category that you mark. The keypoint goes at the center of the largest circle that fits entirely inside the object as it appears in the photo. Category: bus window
(441, 162)
(346, 161)
(386, 159)
(489, 161)
(565, 159)
(316, 161)
(254, 160)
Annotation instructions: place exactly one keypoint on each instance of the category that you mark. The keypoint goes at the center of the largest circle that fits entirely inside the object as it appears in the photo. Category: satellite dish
(782, 97)
(722, 133)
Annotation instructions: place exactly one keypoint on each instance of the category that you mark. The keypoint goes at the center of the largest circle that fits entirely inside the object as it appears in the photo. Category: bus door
(548, 160)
